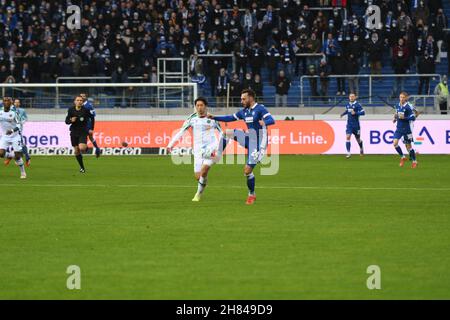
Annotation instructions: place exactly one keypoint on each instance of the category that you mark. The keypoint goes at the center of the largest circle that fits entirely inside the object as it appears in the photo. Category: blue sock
(25, 153)
(347, 144)
(399, 150)
(251, 183)
(412, 154)
(224, 143)
(95, 143)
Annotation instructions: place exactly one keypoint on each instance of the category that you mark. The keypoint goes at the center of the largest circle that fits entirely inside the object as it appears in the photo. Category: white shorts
(15, 142)
(199, 162)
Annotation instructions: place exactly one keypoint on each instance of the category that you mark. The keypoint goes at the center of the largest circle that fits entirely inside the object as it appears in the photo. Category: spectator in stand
(221, 89)
(247, 83)
(324, 72)
(273, 60)
(241, 53)
(330, 48)
(352, 66)
(439, 24)
(282, 86)
(235, 90)
(339, 68)
(258, 88)
(313, 80)
(287, 58)
(375, 53)
(355, 48)
(256, 58)
(425, 66)
(313, 46)
(120, 76)
(400, 64)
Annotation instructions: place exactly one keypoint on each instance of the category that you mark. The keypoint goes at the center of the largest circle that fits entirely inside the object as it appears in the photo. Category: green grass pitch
(316, 226)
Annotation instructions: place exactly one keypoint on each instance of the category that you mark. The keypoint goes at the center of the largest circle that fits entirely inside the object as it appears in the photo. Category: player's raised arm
(175, 138)
(267, 117)
(229, 118)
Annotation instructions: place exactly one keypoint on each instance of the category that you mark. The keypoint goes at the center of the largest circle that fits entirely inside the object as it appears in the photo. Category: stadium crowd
(123, 39)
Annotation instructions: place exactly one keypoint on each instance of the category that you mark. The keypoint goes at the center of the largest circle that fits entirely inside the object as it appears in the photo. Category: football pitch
(316, 226)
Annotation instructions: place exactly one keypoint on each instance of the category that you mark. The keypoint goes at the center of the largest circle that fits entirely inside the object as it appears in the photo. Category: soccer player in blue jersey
(405, 116)
(91, 123)
(353, 111)
(255, 139)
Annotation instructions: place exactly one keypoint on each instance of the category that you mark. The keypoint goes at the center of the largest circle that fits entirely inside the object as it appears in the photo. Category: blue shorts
(405, 134)
(251, 142)
(353, 130)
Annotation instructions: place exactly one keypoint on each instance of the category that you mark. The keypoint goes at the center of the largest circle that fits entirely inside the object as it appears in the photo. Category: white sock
(201, 185)
(20, 164)
(10, 155)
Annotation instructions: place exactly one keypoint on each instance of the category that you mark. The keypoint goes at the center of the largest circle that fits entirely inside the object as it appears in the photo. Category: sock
(224, 143)
(251, 183)
(25, 153)
(360, 144)
(9, 155)
(201, 185)
(399, 150)
(412, 154)
(94, 143)
(347, 144)
(20, 164)
(80, 160)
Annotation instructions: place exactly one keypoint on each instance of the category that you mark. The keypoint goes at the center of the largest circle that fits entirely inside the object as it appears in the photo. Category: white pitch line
(24, 184)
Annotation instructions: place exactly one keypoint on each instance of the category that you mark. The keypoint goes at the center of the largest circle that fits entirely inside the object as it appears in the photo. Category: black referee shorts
(76, 140)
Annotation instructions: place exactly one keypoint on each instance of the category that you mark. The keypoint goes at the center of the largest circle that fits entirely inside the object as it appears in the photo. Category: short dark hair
(250, 92)
(202, 99)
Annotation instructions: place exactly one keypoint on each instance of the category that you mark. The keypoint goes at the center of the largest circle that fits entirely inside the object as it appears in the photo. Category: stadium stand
(36, 46)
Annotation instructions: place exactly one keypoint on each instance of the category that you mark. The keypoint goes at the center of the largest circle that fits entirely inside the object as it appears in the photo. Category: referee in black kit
(78, 117)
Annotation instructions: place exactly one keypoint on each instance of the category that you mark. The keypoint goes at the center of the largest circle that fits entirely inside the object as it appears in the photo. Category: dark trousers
(424, 81)
(340, 84)
(443, 107)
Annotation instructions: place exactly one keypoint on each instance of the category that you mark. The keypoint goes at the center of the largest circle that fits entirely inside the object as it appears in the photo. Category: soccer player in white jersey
(22, 117)
(10, 127)
(207, 147)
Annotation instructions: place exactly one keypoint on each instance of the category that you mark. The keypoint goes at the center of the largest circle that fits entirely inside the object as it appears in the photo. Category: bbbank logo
(377, 137)
(421, 138)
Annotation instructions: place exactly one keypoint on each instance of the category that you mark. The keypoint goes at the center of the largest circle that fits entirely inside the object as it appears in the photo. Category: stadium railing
(369, 77)
(90, 79)
(104, 95)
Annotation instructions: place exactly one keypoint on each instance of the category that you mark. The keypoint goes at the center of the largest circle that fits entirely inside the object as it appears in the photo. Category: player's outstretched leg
(98, 151)
(202, 181)
(27, 156)
(400, 152)
(360, 143)
(20, 164)
(412, 156)
(248, 171)
(9, 155)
